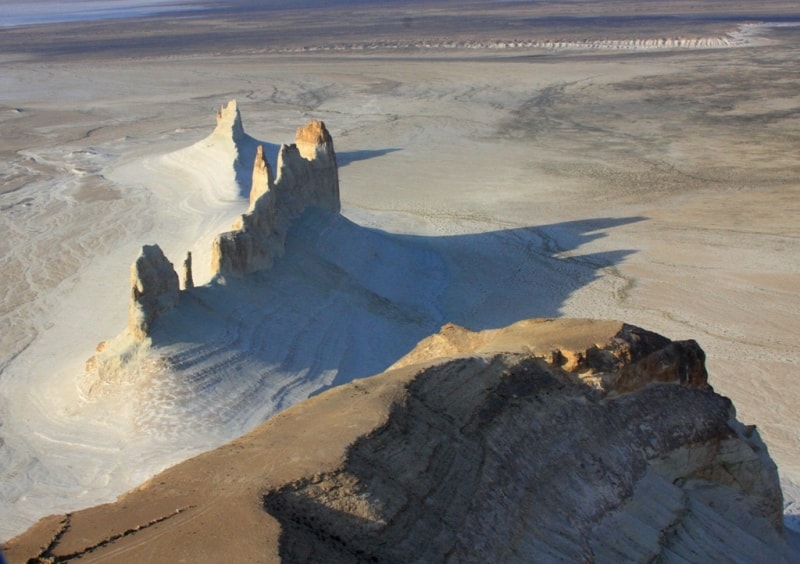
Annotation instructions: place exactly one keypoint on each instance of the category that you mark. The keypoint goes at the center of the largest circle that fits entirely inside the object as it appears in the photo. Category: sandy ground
(659, 187)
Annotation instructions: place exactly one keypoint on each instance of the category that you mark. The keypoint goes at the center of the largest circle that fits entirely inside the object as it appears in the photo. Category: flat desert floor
(501, 165)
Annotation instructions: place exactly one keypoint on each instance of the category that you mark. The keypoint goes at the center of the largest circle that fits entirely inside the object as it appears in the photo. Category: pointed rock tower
(229, 122)
(154, 290)
(263, 179)
(307, 176)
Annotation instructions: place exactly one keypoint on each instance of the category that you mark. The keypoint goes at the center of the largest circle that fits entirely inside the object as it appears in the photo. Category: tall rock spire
(154, 290)
(229, 121)
(307, 176)
(263, 180)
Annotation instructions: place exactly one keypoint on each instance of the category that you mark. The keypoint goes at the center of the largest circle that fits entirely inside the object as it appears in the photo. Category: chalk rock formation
(510, 445)
(307, 177)
(154, 290)
(229, 123)
(263, 180)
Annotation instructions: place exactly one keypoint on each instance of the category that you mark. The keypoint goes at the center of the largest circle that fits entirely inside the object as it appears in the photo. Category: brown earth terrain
(566, 439)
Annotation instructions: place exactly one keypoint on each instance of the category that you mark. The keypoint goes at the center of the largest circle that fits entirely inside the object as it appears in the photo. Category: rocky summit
(307, 177)
(550, 439)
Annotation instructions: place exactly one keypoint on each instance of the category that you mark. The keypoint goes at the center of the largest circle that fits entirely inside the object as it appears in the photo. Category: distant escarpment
(733, 39)
(548, 440)
(307, 177)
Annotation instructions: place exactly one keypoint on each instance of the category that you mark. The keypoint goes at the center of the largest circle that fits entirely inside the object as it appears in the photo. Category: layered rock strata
(567, 440)
(307, 177)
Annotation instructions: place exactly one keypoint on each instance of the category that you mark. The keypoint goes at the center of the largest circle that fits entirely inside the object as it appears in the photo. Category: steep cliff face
(522, 444)
(307, 177)
(624, 454)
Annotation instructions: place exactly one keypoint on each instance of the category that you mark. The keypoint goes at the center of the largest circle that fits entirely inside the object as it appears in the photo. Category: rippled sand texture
(479, 186)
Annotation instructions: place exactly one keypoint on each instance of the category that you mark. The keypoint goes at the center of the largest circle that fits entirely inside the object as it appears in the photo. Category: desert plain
(497, 163)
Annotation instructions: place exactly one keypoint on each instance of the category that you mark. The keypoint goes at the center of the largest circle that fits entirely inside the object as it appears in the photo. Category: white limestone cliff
(307, 177)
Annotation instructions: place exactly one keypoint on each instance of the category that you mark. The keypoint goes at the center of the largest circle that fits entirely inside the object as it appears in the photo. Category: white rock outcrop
(307, 176)
(154, 290)
(263, 179)
(732, 39)
(229, 124)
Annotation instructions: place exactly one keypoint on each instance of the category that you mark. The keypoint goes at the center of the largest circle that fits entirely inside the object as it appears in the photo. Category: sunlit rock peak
(307, 176)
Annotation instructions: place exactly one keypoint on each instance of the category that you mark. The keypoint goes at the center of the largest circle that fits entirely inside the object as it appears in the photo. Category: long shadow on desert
(346, 301)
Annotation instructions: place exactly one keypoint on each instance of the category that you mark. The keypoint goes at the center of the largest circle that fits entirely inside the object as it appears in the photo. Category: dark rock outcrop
(188, 278)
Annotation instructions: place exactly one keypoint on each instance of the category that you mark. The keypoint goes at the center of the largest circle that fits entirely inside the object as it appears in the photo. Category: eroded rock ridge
(548, 440)
(307, 177)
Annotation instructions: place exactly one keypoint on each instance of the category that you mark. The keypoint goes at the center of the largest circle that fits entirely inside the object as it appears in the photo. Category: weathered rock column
(154, 290)
(188, 280)
(307, 176)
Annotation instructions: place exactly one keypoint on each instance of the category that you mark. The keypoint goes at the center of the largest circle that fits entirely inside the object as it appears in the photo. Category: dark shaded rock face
(154, 289)
(548, 440)
(510, 458)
